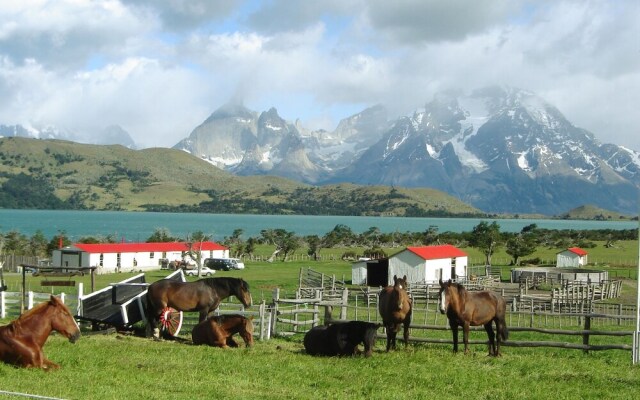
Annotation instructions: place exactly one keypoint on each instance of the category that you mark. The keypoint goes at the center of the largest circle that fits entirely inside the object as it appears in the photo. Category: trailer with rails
(123, 304)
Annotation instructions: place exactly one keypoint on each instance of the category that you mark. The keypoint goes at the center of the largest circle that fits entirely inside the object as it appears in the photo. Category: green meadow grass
(117, 367)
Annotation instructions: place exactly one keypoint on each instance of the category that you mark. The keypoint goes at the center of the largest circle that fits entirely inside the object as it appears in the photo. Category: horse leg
(231, 342)
(454, 332)
(465, 337)
(203, 315)
(405, 333)
(49, 365)
(153, 321)
(28, 355)
(391, 337)
(492, 338)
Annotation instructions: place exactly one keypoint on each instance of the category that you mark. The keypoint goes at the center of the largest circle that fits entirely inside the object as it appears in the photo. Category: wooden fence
(12, 304)
(605, 327)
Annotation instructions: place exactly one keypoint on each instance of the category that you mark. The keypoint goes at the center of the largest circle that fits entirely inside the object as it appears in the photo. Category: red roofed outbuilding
(573, 257)
(419, 264)
(131, 257)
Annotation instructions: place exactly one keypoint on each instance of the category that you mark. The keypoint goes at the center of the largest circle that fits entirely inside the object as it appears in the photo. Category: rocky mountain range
(499, 149)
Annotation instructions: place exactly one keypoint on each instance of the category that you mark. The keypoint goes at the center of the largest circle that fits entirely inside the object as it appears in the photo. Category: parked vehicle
(223, 264)
(204, 271)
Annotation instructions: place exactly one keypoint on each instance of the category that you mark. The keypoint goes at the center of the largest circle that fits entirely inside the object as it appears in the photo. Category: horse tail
(148, 306)
(503, 331)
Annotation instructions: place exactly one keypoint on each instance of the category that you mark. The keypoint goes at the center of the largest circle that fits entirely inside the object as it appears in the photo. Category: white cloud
(159, 68)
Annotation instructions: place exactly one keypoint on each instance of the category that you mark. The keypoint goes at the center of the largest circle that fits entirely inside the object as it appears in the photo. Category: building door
(454, 276)
(378, 272)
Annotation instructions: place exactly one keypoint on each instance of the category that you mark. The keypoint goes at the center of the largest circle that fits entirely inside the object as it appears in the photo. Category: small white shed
(428, 263)
(573, 257)
(419, 264)
(130, 257)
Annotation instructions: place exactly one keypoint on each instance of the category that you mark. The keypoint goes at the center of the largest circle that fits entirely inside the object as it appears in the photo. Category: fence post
(531, 318)
(619, 314)
(274, 317)
(29, 300)
(3, 307)
(80, 294)
(345, 300)
(585, 335)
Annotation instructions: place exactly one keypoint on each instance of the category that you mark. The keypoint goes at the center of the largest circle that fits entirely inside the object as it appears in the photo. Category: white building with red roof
(131, 257)
(573, 257)
(419, 264)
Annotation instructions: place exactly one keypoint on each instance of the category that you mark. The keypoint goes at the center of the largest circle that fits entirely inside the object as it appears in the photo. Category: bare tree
(194, 247)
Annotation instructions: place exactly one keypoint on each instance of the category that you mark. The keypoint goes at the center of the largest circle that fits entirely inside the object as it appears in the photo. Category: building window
(101, 260)
(151, 255)
(164, 254)
(118, 257)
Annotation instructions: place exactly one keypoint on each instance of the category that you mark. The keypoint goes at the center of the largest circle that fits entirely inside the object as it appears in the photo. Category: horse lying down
(218, 331)
(341, 339)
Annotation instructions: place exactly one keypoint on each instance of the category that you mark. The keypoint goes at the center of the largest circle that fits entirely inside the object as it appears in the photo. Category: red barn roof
(437, 252)
(145, 247)
(577, 250)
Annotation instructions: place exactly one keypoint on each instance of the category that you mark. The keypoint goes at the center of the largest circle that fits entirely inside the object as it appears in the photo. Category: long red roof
(437, 252)
(144, 247)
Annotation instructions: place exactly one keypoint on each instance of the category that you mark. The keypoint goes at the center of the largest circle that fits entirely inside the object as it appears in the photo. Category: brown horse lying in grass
(218, 331)
(21, 340)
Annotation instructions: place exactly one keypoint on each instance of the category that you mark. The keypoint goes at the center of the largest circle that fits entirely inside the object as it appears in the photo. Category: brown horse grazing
(203, 295)
(218, 331)
(21, 340)
(464, 308)
(395, 306)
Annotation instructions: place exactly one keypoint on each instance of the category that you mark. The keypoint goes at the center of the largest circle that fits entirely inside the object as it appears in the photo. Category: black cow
(341, 339)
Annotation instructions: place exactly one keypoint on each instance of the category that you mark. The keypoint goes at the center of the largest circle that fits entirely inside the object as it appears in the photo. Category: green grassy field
(115, 366)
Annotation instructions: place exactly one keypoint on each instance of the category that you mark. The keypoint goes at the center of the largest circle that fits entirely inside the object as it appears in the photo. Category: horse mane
(226, 281)
(462, 291)
(35, 310)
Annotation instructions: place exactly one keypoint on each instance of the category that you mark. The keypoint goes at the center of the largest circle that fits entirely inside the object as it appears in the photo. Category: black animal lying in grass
(341, 339)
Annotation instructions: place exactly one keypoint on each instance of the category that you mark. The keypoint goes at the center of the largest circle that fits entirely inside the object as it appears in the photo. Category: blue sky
(158, 68)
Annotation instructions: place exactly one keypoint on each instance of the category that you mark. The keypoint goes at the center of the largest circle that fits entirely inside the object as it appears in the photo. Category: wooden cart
(123, 304)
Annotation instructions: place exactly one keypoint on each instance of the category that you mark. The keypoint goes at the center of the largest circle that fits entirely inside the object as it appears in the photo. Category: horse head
(62, 321)
(241, 291)
(400, 287)
(444, 297)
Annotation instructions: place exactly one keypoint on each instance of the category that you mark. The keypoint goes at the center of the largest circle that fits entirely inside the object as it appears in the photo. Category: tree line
(486, 237)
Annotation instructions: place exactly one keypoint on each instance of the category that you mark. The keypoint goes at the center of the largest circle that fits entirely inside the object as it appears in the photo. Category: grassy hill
(54, 174)
(593, 212)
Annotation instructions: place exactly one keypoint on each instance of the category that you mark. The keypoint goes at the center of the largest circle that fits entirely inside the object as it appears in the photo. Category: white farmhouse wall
(359, 273)
(129, 262)
(569, 259)
(419, 270)
(406, 263)
(461, 267)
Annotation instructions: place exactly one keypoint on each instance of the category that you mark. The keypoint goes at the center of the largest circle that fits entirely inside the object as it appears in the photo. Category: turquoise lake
(138, 226)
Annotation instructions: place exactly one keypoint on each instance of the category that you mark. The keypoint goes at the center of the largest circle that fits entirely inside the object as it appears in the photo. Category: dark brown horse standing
(21, 340)
(218, 331)
(203, 295)
(464, 308)
(395, 308)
